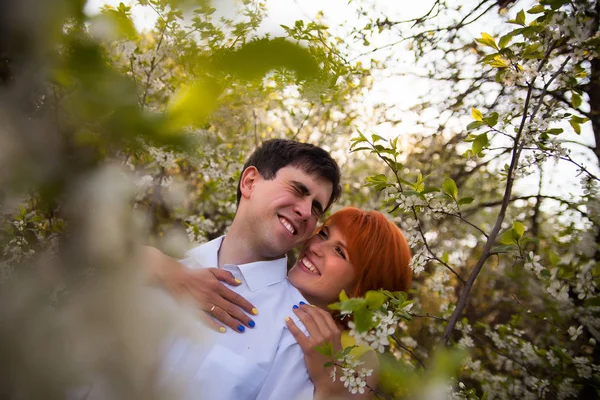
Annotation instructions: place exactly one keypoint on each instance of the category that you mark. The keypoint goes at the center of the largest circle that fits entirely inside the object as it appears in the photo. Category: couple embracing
(267, 320)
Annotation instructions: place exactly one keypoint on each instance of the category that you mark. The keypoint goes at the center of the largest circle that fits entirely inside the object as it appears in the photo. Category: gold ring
(212, 309)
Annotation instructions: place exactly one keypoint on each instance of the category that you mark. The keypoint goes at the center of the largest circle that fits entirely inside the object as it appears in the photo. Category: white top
(264, 362)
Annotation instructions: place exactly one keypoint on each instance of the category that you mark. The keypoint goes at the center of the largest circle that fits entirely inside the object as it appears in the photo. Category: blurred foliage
(112, 137)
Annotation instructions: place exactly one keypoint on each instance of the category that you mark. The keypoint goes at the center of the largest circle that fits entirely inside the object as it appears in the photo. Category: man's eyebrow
(301, 187)
(306, 192)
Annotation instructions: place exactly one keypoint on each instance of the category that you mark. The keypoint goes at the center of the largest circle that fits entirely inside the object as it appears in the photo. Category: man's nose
(304, 208)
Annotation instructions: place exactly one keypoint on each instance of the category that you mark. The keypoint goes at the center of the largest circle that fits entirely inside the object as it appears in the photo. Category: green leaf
(507, 237)
(491, 119)
(326, 349)
(363, 319)
(450, 188)
(579, 120)
(536, 10)
(352, 304)
(498, 62)
(343, 295)
(375, 299)
(445, 257)
(480, 142)
(592, 302)
(430, 189)
(256, 58)
(505, 40)
(555, 131)
(192, 104)
(376, 138)
(554, 259)
(534, 50)
(520, 18)
(345, 351)
(477, 115)
(502, 249)
(575, 100)
(474, 125)
(465, 200)
(546, 274)
(355, 149)
(487, 40)
(116, 22)
(576, 126)
(518, 228)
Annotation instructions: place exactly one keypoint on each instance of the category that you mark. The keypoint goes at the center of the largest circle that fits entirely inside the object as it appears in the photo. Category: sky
(391, 88)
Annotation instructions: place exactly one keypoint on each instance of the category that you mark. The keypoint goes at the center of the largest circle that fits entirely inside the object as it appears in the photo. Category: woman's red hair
(377, 250)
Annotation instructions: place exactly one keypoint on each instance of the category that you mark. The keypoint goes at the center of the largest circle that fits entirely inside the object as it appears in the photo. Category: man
(284, 188)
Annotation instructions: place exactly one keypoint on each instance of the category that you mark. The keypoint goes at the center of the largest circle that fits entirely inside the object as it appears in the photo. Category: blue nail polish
(241, 328)
(251, 324)
(295, 306)
(302, 303)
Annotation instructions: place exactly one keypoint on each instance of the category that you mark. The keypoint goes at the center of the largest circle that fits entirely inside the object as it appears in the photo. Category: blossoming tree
(506, 264)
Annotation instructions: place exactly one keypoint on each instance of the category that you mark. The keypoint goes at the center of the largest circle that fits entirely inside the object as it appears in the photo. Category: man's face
(284, 211)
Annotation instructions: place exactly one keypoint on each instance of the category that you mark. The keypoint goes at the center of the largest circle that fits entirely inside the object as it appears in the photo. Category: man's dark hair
(275, 154)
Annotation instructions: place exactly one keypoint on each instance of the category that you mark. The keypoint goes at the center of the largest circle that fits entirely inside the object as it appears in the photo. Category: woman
(353, 250)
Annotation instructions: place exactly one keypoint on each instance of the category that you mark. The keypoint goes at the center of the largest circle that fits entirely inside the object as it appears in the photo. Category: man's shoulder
(203, 255)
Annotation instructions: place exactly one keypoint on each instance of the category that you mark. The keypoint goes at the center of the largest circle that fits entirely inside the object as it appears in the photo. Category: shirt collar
(257, 275)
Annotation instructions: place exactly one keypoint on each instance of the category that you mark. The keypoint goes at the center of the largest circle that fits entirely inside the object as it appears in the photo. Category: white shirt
(264, 362)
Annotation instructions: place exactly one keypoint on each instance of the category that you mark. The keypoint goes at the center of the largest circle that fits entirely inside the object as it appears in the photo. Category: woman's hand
(322, 329)
(205, 287)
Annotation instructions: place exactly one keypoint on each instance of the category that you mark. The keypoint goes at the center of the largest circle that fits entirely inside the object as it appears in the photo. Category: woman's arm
(203, 285)
(322, 329)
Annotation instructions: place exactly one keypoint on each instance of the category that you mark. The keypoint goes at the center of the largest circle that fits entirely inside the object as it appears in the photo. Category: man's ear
(248, 181)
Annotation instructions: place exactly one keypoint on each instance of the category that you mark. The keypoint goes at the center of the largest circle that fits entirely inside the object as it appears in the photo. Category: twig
(153, 65)
(303, 122)
(462, 301)
(427, 315)
(465, 221)
(409, 351)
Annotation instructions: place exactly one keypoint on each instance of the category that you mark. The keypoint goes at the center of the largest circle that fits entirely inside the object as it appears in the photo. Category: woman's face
(323, 268)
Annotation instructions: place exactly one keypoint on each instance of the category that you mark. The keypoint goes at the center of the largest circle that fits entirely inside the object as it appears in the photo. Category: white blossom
(466, 342)
(575, 332)
(418, 261)
(532, 263)
(584, 369)
(559, 290)
(552, 359)
(354, 379)
(566, 389)
(378, 337)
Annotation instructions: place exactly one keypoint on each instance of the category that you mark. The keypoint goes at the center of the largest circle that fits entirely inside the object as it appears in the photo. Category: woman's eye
(322, 233)
(340, 252)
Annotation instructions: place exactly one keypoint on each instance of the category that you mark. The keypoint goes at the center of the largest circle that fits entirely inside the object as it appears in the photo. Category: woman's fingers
(300, 337)
(322, 317)
(314, 330)
(320, 325)
(207, 289)
(231, 316)
(224, 276)
(229, 294)
(211, 323)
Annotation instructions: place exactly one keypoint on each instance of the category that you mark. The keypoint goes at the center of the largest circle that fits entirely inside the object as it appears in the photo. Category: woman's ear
(248, 181)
